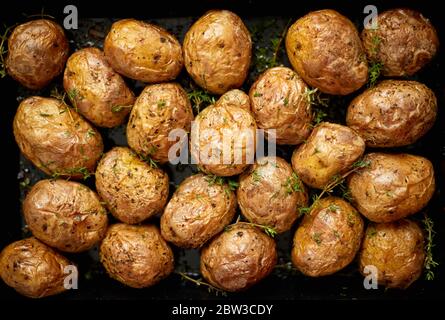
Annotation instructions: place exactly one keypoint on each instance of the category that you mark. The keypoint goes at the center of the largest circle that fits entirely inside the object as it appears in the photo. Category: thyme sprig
(199, 282)
(429, 263)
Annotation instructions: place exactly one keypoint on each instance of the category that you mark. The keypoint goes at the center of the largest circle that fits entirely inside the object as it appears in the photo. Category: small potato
(99, 93)
(238, 258)
(33, 269)
(56, 139)
(393, 187)
(324, 47)
(217, 51)
(328, 238)
(235, 98)
(279, 101)
(394, 113)
(270, 194)
(132, 190)
(37, 52)
(198, 210)
(137, 256)
(143, 51)
(330, 150)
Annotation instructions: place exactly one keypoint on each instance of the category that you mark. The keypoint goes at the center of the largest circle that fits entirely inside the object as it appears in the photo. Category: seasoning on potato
(235, 98)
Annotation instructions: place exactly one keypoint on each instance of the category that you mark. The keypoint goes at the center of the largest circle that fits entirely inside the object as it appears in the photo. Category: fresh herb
(3, 50)
(256, 177)
(257, 94)
(74, 95)
(314, 98)
(286, 101)
(200, 282)
(45, 115)
(317, 238)
(429, 263)
(375, 41)
(161, 104)
(371, 231)
(293, 184)
(333, 208)
(304, 210)
(73, 171)
(149, 160)
(119, 108)
(200, 98)
(336, 234)
(374, 73)
(351, 219)
(91, 133)
(228, 184)
(25, 183)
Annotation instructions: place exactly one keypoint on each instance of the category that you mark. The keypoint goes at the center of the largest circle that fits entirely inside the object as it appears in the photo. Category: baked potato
(235, 98)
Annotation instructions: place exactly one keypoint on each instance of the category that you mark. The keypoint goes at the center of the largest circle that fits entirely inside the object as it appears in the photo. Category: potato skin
(197, 211)
(279, 101)
(33, 269)
(97, 88)
(238, 258)
(217, 51)
(235, 98)
(159, 109)
(266, 194)
(55, 138)
(393, 187)
(132, 190)
(396, 249)
(37, 52)
(394, 113)
(137, 256)
(325, 49)
(328, 238)
(407, 41)
(143, 51)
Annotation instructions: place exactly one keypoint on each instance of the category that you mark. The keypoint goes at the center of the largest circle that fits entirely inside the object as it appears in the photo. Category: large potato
(217, 51)
(235, 98)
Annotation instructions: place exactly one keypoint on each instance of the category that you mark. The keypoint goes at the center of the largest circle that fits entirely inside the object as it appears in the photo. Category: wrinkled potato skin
(266, 197)
(132, 190)
(197, 211)
(37, 52)
(137, 256)
(97, 87)
(325, 49)
(159, 109)
(55, 138)
(217, 51)
(396, 249)
(330, 149)
(394, 113)
(143, 51)
(238, 258)
(393, 187)
(236, 98)
(328, 238)
(407, 42)
(279, 102)
(33, 269)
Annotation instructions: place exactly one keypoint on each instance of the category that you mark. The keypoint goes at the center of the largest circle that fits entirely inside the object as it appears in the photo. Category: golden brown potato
(132, 190)
(392, 187)
(394, 113)
(324, 47)
(37, 52)
(270, 194)
(99, 93)
(56, 139)
(279, 101)
(33, 269)
(158, 110)
(396, 250)
(235, 98)
(137, 256)
(403, 42)
(238, 258)
(198, 210)
(143, 51)
(328, 238)
(217, 51)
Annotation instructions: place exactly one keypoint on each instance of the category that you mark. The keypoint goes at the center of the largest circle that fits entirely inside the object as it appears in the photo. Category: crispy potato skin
(266, 194)
(217, 51)
(330, 149)
(394, 113)
(137, 256)
(328, 238)
(235, 98)
(97, 88)
(143, 51)
(278, 99)
(159, 109)
(33, 269)
(197, 211)
(396, 249)
(37, 52)
(393, 187)
(55, 138)
(406, 41)
(238, 258)
(132, 190)
(325, 49)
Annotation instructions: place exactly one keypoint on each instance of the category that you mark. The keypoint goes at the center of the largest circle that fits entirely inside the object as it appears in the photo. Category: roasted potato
(392, 187)
(56, 139)
(217, 51)
(324, 47)
(235, 98)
